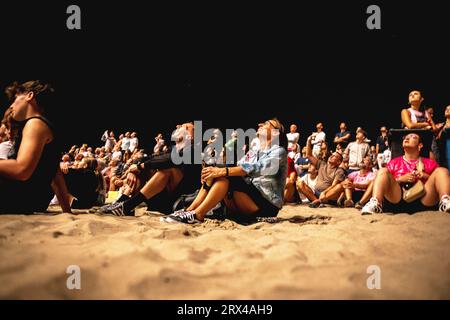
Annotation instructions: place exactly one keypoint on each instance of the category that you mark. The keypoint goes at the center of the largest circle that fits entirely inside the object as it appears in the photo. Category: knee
(164, 173)
(301, 185)
(441, 171)
(383, 172)
(222, 180)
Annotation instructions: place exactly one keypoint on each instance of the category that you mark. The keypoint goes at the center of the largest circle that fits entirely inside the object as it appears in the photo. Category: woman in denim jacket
(255, 186)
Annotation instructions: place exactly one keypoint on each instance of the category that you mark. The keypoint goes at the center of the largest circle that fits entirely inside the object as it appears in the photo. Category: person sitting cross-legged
(253, 188)
(310, 179)
(408, 169)
(357, 183)
(330, 176)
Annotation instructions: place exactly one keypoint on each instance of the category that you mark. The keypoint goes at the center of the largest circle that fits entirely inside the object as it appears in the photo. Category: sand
(310, 254)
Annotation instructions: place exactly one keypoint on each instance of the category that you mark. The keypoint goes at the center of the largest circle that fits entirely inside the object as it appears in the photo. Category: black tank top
(37, 189)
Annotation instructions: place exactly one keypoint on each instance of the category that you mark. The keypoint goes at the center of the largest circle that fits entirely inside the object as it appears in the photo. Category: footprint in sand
(177, 234)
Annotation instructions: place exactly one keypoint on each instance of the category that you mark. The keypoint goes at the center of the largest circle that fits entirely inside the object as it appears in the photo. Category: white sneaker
(444, 205)
(54, 201)
(373, 206)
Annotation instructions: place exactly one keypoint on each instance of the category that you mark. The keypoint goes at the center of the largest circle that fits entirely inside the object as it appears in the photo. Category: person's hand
(439, 126)
(407, 178)
(422, 175)
(64, 168)
(131, 180)
(322, 196)
(212, 172)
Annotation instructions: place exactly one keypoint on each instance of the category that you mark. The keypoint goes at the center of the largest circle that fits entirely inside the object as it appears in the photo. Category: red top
(290, 165)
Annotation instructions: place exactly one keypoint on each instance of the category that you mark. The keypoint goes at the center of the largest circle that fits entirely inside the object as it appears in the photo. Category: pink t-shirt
(400, 166)
(357, 178)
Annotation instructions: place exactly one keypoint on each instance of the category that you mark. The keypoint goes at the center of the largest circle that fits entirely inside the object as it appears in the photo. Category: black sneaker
(218, 212)
(316, 204)
(181, 217)
(116, 209)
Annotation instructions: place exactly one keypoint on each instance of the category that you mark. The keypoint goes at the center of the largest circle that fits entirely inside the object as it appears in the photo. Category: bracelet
(228, 172)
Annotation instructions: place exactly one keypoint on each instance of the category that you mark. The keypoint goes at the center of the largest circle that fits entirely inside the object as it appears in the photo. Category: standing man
(317, 138)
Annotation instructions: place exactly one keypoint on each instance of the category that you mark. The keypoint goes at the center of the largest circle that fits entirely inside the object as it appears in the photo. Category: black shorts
(164, 201)
(405, 207)
(357, 195)
(17, 197)
(266, 208)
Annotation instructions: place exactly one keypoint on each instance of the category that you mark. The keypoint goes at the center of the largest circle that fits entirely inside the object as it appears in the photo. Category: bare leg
(167, 178)
(198, 199)
(341, 198)
(437, 185)
(112, 184)
(385, 186)
(305, 190)
(348, 194)
(333, 193)
(289, 191)
(216, 194)
(367, 194)
(244, 204)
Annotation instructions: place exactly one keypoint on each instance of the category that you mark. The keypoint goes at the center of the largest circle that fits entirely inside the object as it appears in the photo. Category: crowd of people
(348, 171)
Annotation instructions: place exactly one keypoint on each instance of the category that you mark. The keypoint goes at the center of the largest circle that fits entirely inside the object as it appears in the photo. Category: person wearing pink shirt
(357, 183)
(403, 170)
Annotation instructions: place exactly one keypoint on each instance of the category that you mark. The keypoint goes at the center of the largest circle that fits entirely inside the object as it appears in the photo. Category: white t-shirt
(134, 142)
(117, 154)
(110, 142)
(125, 143)
(309, 182)
(294, 155)
(292, 139)
(317, 141)
(5, 147)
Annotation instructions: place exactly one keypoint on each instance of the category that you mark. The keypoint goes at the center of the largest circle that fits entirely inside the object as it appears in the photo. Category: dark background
(140, 66)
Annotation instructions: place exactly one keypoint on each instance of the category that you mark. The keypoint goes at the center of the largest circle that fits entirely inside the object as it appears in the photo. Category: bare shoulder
(405, 111)
(38, 129)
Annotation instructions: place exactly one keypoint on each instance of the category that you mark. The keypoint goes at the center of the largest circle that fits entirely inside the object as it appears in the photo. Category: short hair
(279, 125)
(43, 92)
(363, 132)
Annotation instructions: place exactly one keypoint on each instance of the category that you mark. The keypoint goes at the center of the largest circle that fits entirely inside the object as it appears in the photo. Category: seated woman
(254, 187)
(356, 184)
(405, 171)
(31, 171)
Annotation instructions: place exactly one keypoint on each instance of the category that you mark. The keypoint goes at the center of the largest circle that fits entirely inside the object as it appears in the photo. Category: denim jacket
(267, 170)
